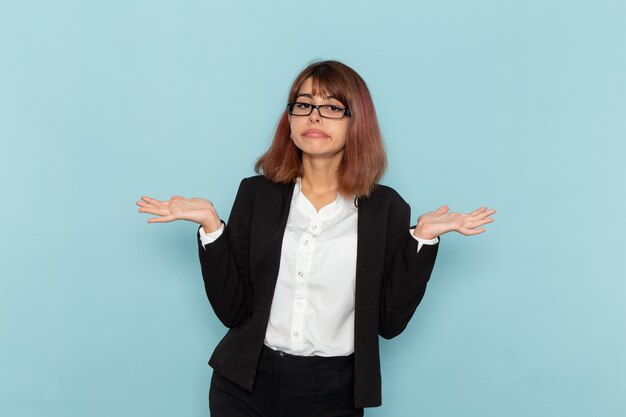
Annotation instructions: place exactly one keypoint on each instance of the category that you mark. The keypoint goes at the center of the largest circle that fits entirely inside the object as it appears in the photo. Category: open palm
(440, 221)
(197, 210)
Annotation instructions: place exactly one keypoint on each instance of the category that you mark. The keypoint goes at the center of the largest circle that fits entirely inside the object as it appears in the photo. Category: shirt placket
(304, 258)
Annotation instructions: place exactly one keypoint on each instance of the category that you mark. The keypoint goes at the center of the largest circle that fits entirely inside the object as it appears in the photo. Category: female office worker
(316, 261)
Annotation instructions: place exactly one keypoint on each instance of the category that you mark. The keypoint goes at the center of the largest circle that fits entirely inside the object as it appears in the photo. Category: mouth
(314, 133)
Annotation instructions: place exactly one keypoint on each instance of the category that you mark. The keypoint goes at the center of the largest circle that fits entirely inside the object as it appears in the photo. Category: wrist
(419, 232)
(210, 226)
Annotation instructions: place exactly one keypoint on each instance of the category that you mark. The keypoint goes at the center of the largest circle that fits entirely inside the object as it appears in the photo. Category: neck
(319, 175)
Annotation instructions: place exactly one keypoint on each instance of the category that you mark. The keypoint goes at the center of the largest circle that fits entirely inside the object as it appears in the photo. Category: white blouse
(312, 310)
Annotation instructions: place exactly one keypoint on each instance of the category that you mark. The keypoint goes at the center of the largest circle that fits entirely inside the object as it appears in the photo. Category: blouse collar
(327, 212)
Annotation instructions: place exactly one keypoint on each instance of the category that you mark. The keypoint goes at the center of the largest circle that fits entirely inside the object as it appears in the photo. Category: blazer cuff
(421, 241)
(207, 238)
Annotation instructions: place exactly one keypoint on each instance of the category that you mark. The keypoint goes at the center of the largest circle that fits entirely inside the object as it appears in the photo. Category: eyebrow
(311, 96)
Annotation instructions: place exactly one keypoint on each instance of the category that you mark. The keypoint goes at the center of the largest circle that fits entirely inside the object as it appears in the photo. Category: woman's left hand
(440, 221)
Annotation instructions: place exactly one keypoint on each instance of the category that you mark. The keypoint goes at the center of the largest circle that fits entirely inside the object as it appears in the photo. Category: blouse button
(295, 334)
(300, 273)
(306, 242)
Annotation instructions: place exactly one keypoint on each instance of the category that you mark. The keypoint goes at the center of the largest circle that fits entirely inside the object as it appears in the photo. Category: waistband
(270, 358)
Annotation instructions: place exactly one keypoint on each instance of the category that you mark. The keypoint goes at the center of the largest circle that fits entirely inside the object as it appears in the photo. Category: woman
(316, 261)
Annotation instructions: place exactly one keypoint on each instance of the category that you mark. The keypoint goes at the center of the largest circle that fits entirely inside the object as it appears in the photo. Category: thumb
(443, 209)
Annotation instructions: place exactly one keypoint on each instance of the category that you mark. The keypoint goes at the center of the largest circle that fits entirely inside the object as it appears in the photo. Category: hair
(364, 159)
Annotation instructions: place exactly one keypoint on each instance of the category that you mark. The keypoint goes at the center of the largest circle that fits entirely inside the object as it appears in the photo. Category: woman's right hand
(197, 210)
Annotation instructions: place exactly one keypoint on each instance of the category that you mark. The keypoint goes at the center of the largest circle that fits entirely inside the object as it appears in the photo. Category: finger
(486, 213)
(443, 209)
(477, 211)
(482, 215)
(163, 219)
(480, 220)
(141, 203)
(471, 232)
(474, 223)
(159, 211)
(151, 200)
(484, 221)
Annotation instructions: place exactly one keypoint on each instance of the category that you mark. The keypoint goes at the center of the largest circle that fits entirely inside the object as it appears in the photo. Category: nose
(315, 115)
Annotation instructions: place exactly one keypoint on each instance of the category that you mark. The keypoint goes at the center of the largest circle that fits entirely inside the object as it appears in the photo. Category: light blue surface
(518, 105)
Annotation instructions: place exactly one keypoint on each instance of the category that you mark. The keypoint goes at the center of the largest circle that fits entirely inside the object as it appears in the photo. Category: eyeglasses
(328, 111)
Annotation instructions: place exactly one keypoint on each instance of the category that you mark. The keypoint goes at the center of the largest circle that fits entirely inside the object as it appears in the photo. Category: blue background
(518, 105)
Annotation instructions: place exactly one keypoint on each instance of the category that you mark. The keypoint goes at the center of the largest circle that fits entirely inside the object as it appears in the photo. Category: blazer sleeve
(225, 263)
(406, 272)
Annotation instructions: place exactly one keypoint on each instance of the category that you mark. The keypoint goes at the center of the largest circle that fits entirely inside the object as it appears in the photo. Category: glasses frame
(346, 111)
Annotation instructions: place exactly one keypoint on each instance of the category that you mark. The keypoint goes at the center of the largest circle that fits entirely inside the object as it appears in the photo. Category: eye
(304, 106)
(335, 109)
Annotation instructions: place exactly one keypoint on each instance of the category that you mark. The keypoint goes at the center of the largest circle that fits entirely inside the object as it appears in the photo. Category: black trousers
(289, 386)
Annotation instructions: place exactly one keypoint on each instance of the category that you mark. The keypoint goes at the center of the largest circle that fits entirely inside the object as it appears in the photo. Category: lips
(314, 133)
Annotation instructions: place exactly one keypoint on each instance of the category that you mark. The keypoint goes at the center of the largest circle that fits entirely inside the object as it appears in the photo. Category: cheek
(344, 134)
(296, 124)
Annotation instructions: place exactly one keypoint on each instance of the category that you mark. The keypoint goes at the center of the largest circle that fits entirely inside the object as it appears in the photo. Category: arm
(407, 272)
(224, 263)
(405, 282)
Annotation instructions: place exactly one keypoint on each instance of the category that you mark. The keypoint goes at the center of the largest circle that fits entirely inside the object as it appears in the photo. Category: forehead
(317, 88)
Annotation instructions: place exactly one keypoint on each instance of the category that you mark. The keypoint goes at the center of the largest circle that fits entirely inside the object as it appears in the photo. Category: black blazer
(241, 267)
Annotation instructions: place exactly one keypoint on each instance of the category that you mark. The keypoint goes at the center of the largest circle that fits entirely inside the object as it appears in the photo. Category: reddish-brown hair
(364, 159)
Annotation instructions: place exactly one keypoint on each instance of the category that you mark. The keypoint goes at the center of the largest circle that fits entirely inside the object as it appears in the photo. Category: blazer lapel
(273, 221)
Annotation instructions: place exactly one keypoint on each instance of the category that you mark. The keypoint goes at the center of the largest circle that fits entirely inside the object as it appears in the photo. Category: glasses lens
(332, 112)
(300, 109)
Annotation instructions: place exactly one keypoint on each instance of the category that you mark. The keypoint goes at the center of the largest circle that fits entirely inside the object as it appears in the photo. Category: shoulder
(261, 187)
(383, 194)
(262, 183)
(384, 204)
(386, 213)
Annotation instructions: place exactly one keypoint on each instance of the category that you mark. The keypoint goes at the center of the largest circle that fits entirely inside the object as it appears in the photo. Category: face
(316, 136)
